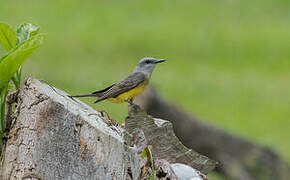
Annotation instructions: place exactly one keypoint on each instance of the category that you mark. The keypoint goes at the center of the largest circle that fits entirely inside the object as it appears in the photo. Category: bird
(132, 86)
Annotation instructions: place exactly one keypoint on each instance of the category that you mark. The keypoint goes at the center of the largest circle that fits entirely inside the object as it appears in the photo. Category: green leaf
(144, 154)
(147, 152)
(10, 63)
(10, 86)
(25, 31)
(8, 36)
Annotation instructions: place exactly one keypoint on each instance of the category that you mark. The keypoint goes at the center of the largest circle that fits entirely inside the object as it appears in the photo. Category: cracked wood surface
(55, 137)
(159, 133)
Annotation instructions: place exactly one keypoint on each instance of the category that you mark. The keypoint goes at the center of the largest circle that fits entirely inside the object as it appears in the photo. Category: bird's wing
(127, 84)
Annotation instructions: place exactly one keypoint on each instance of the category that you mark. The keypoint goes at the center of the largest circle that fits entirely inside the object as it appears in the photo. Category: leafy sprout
(147, 152)
(19, 45)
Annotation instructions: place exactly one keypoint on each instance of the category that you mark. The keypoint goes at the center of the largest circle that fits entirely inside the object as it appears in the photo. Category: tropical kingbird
(132, 86)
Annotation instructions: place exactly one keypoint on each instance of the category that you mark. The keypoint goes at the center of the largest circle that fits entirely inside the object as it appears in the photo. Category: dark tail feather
(84, 95)
(87, 95)
(99, 100)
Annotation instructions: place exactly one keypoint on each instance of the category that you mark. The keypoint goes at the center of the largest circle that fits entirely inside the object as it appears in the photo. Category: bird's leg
(130, 101)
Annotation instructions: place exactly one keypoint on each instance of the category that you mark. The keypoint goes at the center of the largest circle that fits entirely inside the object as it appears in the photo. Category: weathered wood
(159, 133)
(55, 137)
(187, 172)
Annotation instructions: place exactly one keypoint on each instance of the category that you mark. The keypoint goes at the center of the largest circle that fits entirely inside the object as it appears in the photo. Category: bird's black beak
(159, 61)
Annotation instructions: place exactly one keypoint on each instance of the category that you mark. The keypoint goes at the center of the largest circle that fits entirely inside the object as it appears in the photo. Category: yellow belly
(131, 94)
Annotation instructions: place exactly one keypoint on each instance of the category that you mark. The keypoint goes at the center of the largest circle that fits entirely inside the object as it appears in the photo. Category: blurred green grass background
(228, 61)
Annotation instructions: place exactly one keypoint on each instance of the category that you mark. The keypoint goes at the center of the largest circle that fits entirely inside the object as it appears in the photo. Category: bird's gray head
(147, 64)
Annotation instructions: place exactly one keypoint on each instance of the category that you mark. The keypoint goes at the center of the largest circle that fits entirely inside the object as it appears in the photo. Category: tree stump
(55, 137)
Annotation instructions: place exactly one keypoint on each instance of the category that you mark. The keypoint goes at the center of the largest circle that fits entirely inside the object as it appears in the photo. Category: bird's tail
(85, 95)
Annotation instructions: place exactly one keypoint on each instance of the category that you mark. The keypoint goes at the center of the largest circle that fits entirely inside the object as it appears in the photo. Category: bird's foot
(130, 102)
(132, 106)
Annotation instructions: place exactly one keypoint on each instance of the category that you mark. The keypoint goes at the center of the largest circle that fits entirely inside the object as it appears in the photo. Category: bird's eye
(147, 62)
